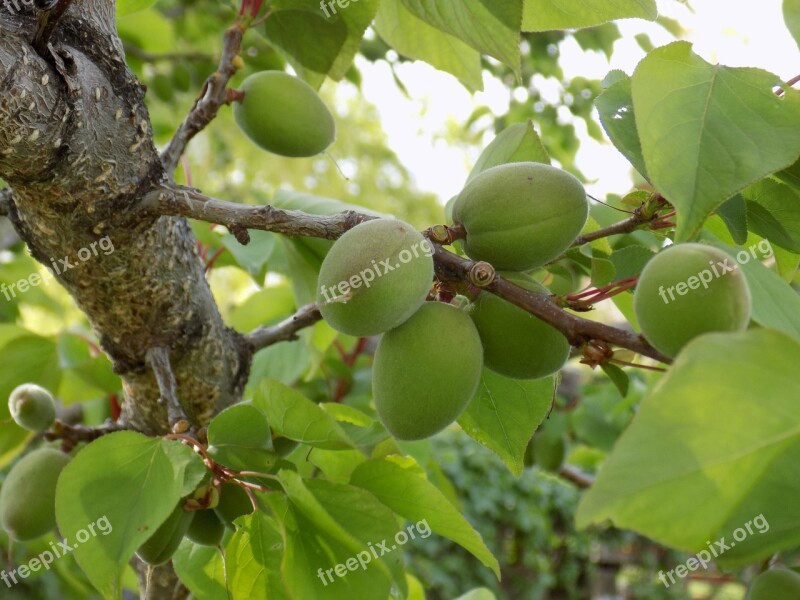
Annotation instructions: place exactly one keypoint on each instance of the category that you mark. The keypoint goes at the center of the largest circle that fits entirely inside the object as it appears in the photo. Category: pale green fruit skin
(206, 528)
(776, 584)
(724, 306)
(426, 371)
(284, 115)
(392, 297)
(160, 547)
(515, 343)
(519, 216)
(28, 495)
(32, 407)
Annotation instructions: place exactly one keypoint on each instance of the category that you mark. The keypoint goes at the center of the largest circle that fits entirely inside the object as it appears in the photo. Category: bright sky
(730, 32)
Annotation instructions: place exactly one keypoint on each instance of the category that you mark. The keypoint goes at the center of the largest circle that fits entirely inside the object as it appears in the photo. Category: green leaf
(618, 377)
(319, 41)
(775, 303)
(254, 256)
(133, 481)
(734, 213)
(415, 38)
(781, 203)
(401, 488)
(791, 15)
(126, 7)
(489, 26)
(201, 570)
(615, 106)
(294, 416)
(254, 559)
(505, 412)
(516, 143)
(328, 526)
(630, 260)
(544, 15)
(722, 472)
(239, 437)
(708, 131)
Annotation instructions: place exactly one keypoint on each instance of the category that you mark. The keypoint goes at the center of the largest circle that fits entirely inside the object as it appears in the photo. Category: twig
(577, 330)
(158, 359)
(213, 95)
(632, 223)
(5, 201)
(80, 433)
(47, 24)
(286, 330)
(187, 202)
(582, 480)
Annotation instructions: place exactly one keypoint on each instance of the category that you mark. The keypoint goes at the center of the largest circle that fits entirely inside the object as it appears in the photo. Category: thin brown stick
(581, 480)
(286, 330)
(213, 95)
(187, 202)
(159, 361)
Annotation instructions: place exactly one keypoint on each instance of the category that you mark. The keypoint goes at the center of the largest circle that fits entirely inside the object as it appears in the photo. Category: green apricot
(679, 296)
(775, 584)
(28, 495)
(519, 216)
(206, 528)
(426, 371)
(284, 115)
(32, 407)
(233, 503)
(515, 343)
(160, 546)
(375, 277)
(548, 451)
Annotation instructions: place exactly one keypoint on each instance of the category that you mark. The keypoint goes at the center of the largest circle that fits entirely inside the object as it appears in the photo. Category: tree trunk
(77, 151)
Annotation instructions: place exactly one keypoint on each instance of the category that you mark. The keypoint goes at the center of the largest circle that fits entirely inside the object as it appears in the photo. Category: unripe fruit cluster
(428, 363)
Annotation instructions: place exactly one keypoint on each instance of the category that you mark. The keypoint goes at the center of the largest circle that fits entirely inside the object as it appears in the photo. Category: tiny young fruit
(160, 546)
(206, 528)
(284, 115)
(515, 343)
(32, 407)
(688, 290)
(426, 371)
(233, 503)
(519, 216)
(374, 277)
(28, 495)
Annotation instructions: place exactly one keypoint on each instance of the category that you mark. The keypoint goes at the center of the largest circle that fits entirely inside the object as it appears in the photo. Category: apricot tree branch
(187, 202)
(47, 24)
(213, 95)
(573, 475)
(73, 434)
(159, 361)
(285, 330)
(577, 330)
